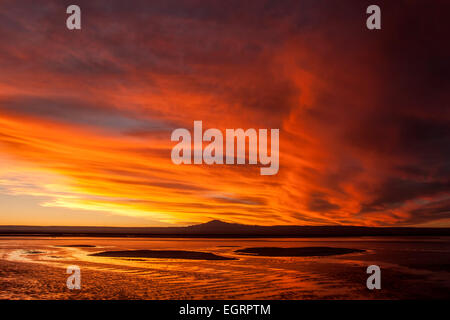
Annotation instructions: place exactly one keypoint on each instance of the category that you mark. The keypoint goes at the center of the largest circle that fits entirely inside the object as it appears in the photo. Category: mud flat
(162, 254)
(296, 252)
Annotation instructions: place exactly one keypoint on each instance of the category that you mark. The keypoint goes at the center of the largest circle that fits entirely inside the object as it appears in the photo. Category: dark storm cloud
(394, 191)
(430, 211)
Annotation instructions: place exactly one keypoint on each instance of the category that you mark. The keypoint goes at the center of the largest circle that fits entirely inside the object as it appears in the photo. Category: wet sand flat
(36, 268)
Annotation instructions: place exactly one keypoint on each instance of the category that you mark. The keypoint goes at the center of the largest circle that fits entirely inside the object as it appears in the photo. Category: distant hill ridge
(217, 228)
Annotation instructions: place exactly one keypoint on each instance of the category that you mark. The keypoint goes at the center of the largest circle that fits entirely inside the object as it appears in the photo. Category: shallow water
(411, 268)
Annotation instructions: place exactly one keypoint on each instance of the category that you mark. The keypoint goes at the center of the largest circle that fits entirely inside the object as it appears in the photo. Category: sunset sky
(86, 116)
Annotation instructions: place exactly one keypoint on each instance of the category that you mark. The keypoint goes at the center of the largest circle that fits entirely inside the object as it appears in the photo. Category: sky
(86, 116)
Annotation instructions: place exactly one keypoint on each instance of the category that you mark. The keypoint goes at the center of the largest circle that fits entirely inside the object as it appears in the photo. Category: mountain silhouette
(217, 228)
(217, 225)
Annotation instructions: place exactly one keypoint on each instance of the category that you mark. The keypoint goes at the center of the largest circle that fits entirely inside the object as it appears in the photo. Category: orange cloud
(86, 118)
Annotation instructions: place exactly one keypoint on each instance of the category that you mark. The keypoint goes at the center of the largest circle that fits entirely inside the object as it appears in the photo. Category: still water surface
(412, 268)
